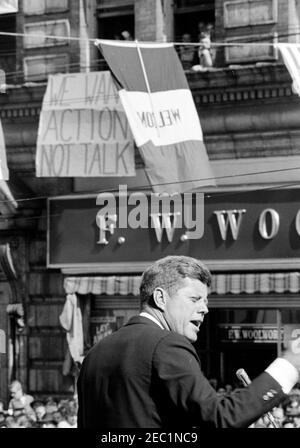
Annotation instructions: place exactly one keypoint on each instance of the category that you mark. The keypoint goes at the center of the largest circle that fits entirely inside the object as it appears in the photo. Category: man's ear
(160, 298)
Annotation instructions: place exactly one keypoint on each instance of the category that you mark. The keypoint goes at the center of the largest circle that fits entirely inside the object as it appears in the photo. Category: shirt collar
(149, 316)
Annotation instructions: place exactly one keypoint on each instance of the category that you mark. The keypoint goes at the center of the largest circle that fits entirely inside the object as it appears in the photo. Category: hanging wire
(147, 187)
(93, 40)
(185, 44)
(210, 195)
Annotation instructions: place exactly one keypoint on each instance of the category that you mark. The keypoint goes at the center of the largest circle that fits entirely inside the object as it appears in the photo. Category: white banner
(162, 114)
(291, 57)
(3, 163)
(165, 118)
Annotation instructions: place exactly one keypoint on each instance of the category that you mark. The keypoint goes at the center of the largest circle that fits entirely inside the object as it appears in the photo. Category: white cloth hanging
(71, 321)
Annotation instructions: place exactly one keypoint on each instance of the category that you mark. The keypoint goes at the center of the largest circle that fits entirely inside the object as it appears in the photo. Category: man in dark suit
(148, 375)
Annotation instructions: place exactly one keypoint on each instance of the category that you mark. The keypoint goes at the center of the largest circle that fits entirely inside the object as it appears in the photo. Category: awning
(253, 283)
(111, 285)
(248, 283)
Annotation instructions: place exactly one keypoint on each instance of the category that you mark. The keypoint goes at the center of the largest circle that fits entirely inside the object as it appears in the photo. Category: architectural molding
(236, 84)
(231, 146)
(242, 94)
(20, 111)
(278, 264)
(213, 96)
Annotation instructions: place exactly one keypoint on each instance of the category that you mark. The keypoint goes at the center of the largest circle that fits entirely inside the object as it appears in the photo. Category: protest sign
(83, 129)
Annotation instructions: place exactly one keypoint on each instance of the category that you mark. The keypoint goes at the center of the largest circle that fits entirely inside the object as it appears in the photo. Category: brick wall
(46, 338)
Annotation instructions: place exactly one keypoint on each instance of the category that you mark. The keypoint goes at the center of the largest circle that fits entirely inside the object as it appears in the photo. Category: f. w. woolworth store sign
(229, 230)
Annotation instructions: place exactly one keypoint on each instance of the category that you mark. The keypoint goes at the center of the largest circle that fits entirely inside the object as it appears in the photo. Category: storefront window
(109, 313)
(188, 15)
(290, 316)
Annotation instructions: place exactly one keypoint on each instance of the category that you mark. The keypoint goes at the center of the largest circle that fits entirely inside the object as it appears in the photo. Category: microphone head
(243, 377)
(239, 373)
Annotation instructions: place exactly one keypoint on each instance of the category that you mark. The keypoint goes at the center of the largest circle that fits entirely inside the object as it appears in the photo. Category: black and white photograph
(149, 220)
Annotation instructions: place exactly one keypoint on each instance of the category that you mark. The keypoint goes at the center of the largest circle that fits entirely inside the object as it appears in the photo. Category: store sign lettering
(102, 326)
(166, 212)
(240, 333)
(229, 221)
(269, 223)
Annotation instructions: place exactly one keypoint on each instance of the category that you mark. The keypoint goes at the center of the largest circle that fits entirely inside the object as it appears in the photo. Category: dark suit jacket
(144, 377)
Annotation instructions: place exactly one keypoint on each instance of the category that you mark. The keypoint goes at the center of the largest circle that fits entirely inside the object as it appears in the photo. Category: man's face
(185, 310)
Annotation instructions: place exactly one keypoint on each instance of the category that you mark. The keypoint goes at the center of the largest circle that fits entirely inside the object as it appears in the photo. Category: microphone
(244, 378)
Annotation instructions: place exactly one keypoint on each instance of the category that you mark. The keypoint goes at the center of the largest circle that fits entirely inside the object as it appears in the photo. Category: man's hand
(292, 352)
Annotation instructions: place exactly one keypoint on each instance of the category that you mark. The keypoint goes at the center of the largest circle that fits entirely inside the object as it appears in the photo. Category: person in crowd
(125, 35)
(288, 423)
(214, 383)
(260, 423)
(50, 405)
(24, 421)
(10, 422)
(228, 389)
(221, 391)
(186, 52)
(296, 420)
(68, 410)
(292, 407)
(20, 401)
(2, 418)
(278, 414)
(3, 414)
(60, 420)
(39, 409)
(48, 421)
(72, 419)
(206, 55)
(148, 374)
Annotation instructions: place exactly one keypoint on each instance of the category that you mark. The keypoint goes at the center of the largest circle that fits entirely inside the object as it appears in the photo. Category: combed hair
(168, 272)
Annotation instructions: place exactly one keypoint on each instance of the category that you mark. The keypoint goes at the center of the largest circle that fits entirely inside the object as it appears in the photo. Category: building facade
(251, 240)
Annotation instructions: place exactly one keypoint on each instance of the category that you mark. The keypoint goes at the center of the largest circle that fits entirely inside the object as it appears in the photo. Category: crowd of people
(197, 57)
(24, 411)
(286, 415)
